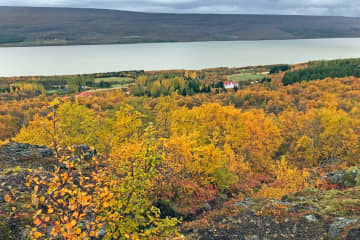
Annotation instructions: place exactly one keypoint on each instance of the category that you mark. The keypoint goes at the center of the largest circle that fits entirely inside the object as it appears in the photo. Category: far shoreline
(166, 42)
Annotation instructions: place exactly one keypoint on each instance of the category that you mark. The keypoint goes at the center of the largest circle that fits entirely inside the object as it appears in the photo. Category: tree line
(324, 69)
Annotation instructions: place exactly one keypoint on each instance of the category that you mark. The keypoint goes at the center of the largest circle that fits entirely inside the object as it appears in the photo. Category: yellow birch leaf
(37, 221)
(68, 226)
(7, 198)
(37, 234)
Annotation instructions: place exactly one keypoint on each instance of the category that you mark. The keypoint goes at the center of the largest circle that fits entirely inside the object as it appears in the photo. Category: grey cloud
(303, 7)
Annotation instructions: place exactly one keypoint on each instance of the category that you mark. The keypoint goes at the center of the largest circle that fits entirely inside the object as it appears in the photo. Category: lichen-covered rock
(16, 153)
(247, 225)
(310, 218)
(338, 226)
(101, 233)
(346, 178)
(85, 151)
(336, 177)
(252, 237)
(353, 234)
(246, 203)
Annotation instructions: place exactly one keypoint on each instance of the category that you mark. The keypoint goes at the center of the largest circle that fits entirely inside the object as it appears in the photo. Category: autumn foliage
(163, 154)
(86, 200)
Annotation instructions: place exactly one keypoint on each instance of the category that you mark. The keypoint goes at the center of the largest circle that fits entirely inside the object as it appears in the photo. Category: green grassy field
(114, 80)
(246, 77)
(52, 91)
(121, 85)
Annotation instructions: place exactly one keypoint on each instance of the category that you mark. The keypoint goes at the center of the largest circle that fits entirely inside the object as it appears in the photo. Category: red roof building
(84, 94)
(230, 85)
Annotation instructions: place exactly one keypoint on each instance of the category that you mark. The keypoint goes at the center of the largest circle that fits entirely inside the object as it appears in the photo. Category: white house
(231, 85)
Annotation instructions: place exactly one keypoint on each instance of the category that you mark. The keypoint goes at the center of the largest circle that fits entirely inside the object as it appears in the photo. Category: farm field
(246, 77)
(114, 80)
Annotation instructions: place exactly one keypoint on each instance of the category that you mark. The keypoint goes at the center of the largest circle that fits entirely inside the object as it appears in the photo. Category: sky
(299, 7)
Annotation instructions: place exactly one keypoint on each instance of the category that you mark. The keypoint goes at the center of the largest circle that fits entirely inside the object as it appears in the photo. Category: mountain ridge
(172, 13)
(39, 26)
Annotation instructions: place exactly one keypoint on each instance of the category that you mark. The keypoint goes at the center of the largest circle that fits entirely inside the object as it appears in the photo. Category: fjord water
(24, 61)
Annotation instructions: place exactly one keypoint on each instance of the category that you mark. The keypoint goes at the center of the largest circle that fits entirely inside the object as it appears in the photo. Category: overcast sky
(303, 7)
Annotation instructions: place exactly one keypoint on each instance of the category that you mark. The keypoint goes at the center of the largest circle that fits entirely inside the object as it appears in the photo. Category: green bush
(224, 178)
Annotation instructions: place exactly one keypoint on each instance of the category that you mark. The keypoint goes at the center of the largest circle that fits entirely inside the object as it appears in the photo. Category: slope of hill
(23, 26)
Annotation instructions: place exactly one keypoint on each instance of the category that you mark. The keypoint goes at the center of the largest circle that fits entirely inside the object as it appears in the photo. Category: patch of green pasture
(114, 80)
(246, 77)
(121, 85)
(52, 91)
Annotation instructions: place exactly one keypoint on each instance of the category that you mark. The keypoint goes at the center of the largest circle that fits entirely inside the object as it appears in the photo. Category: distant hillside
(20, 26)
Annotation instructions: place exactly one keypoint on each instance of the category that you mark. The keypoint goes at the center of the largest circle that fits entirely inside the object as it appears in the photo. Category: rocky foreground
(328, 212)
(248, 224)
(332, 212)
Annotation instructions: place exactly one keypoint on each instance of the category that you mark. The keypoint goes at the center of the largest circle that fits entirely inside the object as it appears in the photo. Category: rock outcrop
(345, 178)
(85, 152)
(15, 154)
(338, 227)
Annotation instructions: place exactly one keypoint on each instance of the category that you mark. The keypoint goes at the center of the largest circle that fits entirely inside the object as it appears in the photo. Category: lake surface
(160, 56)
